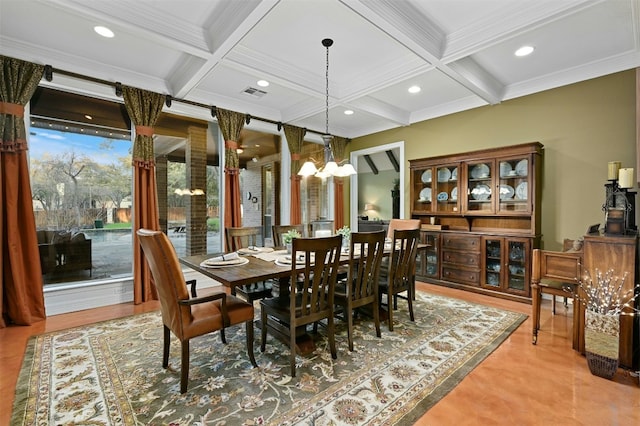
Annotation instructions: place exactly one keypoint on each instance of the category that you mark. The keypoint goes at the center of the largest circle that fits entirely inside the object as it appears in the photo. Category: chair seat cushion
(239, 311)
(204, 318)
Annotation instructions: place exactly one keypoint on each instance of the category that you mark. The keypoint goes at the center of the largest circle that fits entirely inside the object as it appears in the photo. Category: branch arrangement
(605, 294)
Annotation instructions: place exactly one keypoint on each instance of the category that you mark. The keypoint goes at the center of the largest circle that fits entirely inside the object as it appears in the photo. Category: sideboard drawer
(461, 276)
(461, 258)
(461, 242)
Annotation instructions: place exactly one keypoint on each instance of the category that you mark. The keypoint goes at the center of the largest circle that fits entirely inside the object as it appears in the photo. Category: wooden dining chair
(401, 273)
(360, 289)
(188, 317)
(556, 274)
(279, 230)
(243, 237)
(401, 224)
(310, 299)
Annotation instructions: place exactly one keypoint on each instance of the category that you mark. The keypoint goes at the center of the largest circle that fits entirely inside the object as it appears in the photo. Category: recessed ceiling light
(103, 31)
(348, 112)
(414, 89)
(524, 51)
(262, 83)
(88, 117)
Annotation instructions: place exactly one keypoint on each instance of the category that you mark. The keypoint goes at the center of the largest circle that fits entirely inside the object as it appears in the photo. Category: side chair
(278, 230)
(187, 317)
(557, 274)
(400, 224)
(242, 237)
(311, 293)
(361, 286)
(401, 274)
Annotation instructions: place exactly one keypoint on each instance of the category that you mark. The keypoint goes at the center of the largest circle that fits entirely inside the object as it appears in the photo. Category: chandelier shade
(330, 168)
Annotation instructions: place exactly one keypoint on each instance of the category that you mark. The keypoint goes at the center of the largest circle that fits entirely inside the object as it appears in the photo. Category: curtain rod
(49, 70)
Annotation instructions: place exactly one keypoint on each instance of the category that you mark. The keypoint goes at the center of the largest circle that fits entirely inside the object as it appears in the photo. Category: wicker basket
(602, 366)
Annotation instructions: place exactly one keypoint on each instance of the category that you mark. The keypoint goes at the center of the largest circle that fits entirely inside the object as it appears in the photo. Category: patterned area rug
(110, 373)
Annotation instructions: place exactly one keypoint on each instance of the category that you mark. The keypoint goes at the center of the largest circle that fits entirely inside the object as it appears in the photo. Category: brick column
(161, 181)
(196, 210)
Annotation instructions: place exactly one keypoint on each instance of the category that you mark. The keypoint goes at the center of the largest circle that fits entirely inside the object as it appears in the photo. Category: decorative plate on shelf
(522, 168)
(454, 193)
(444, 174)
(521, 191)
(480, 171)
(454, 174)
(426, 176)
(481, 192)
(425, 195)
(505, 169)
(443, 196)
(506, 192)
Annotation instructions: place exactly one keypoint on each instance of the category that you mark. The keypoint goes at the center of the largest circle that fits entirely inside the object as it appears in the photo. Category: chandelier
(331, 168)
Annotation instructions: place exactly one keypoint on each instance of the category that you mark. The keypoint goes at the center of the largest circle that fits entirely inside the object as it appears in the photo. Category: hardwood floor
(518, 384)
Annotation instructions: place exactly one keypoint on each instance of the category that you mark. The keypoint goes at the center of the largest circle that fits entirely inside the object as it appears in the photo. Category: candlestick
(612, 169)
(625, 177)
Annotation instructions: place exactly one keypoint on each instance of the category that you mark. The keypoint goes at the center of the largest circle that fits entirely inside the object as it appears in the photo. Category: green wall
(582, 126)
(376, 189)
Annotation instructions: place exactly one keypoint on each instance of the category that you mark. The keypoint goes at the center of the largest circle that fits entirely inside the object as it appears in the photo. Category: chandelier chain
(327, 94)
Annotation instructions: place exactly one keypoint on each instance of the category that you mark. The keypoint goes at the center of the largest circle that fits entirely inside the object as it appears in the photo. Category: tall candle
(625, 178)
(612, 169)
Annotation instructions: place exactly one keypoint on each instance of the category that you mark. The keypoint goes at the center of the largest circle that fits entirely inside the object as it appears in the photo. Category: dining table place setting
(254, 250)
(224, 261)
(287, 258)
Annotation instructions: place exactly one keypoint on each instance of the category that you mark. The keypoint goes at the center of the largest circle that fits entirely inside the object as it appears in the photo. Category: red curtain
(22, 298)
(231, 124)
(144, 109)
(295, 138)
(338, 147)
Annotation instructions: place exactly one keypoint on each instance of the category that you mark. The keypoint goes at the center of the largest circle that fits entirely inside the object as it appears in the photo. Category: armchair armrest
(218, 296)
(192, 283)
(205, 299)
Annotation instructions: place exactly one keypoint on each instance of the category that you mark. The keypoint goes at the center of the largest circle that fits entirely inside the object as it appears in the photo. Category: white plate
(426, 176)
(210, 263)
(454, 174)
(443, 196)
(481, 192)
(522, 191)
(506, 192)
(454, 193)
(480, 171)
(444, 174)
(522, 168)
(505, 169)
(255, 250)
(425, 194)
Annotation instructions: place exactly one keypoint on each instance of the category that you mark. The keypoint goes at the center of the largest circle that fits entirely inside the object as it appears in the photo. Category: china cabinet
(485, 205)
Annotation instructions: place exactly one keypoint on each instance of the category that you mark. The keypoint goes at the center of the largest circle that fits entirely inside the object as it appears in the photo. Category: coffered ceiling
(460, 52)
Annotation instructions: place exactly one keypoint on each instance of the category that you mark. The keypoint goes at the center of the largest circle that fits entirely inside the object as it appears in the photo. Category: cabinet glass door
(479, 186)
(514, 185)
(446, 189)
(431, 254)
(518, 252)
(492, 262)
(423, 181)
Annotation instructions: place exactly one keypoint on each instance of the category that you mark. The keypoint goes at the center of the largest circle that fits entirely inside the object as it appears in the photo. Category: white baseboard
(72, 297)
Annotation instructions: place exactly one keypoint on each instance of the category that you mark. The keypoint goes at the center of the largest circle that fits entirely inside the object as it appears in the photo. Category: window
(81, 187)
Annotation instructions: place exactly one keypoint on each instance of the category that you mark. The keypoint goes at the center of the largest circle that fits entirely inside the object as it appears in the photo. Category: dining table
(262, 265)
